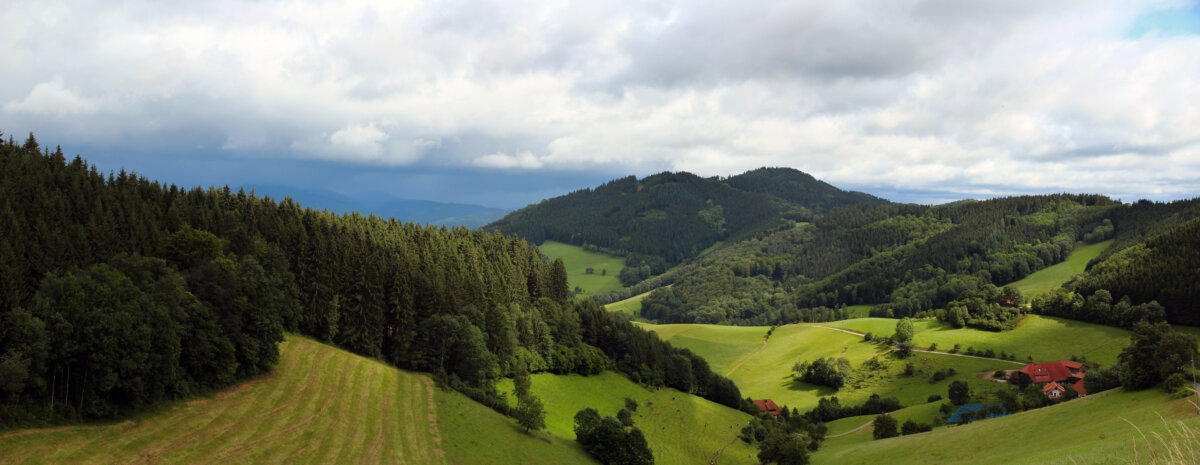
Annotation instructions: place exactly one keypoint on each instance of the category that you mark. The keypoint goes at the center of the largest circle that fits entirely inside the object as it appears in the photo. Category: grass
(921, 413)
(1055, 275)
(721, 346)
(605, 267)
(680, 428)
(768, 373)
(630, 306)
(319, 405)
(858, 311)
(1114, 427)
(1044, 338)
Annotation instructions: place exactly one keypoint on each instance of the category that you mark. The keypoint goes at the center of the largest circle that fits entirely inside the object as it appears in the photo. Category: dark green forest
(667, 218)
(117, 292)
(909, 260)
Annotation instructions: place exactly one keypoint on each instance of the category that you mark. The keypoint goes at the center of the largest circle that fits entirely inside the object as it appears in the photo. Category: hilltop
(661, 220)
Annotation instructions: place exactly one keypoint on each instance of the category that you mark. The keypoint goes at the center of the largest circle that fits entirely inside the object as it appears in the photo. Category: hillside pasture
(768, 374)
(631, 306)
(1114, 427)
(1053, 276)
(1044, 338)
(605, 268)
(319, 405)
(679, 428)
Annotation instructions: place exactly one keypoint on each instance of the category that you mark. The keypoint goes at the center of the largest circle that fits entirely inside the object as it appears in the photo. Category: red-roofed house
(1053, 390)
(767, 405)
(1061, 374)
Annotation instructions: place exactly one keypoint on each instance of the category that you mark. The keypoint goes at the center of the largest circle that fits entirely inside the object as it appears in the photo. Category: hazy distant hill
(417, 211)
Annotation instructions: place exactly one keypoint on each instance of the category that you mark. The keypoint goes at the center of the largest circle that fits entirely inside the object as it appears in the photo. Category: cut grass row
(319, 405)
(605, 268)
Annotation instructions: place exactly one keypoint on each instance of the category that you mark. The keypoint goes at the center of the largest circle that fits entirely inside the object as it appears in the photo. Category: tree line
(221, 274)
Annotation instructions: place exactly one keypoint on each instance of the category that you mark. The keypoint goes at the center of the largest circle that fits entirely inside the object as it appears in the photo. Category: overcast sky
(505, 103)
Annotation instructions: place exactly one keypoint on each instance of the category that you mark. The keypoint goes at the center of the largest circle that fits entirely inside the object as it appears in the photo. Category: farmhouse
(1056, 376)
(767, 405)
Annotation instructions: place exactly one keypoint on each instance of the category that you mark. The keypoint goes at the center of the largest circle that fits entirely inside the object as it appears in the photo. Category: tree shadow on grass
(820, 391)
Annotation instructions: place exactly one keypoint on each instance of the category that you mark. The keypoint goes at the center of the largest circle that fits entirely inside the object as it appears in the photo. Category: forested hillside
(657, 221)
(117, 291)
(910, 258)
(812, 195)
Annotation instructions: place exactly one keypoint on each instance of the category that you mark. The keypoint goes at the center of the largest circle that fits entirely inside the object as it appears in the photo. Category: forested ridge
(667, 218)
(904, 259)
(117, 292)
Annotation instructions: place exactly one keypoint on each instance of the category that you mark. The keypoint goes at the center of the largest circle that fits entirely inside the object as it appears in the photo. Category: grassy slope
(320, 405)
(1045, 338)
(630, 306)
(680, 428)
(1055, 275)
(578, 261)
(768, 374)
(722, 346)
(1092, 430)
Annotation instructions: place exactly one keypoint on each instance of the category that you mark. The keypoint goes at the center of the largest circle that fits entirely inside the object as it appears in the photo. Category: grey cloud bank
(918, 101)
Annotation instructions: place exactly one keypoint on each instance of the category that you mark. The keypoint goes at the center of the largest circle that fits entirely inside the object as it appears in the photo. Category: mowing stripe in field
(319, 405)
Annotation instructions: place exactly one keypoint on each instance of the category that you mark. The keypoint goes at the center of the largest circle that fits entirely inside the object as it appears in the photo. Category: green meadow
(630, 306)
(1055, 275)
(1044, 338)
(1112, 427)
(680, 428)
(768, 373)
(604, 267)
(319, 405)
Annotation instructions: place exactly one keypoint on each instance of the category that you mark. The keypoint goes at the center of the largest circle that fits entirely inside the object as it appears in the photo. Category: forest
(909, 260)
(665, 219)
(117, 292)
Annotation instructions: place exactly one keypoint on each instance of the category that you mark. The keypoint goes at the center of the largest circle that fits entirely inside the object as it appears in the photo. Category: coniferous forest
(117, 292)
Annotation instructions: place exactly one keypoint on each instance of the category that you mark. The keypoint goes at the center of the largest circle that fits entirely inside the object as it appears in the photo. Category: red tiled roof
(1053, 386)
(767, 405)
(1052, 371)
(1080, 388)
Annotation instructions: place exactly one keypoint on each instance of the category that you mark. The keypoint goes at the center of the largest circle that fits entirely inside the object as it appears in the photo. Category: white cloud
(52, 98)
(501, 160)
(365, 138)
(927, 95)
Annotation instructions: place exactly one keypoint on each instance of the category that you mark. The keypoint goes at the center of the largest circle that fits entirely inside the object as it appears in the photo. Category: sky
(505, 103)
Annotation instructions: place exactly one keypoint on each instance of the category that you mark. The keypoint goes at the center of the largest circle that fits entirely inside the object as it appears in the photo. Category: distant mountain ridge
(663, 219)
(417, 211)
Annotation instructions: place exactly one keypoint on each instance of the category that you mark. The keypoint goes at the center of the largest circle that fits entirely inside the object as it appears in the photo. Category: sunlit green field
(767, 374)
(1113, 427)
(319, 405)
(680, 428)
(630, 306)
(1055, 275)
(1044, 338)
(604, 267)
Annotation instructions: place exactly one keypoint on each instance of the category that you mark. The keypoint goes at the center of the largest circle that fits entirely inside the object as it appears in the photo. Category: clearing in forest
(1055, 275)
(605, 268)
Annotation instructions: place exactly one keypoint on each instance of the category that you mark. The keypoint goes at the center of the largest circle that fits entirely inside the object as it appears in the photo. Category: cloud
(919, 96)
(364, 138)
(500, 160)
(52, 98)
